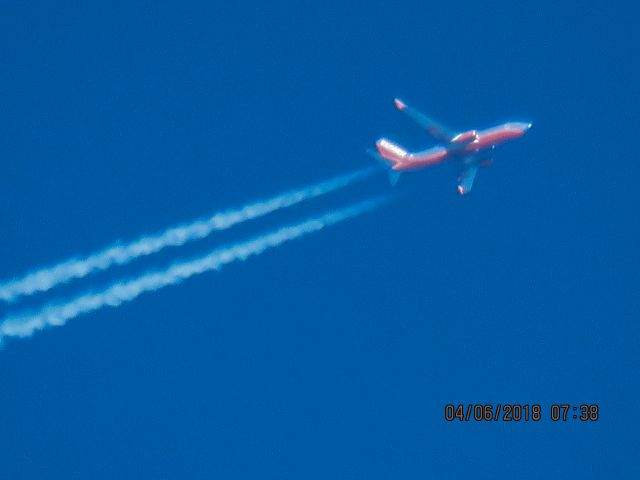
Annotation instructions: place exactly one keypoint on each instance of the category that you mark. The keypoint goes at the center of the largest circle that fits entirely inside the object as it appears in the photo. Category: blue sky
(332, 356)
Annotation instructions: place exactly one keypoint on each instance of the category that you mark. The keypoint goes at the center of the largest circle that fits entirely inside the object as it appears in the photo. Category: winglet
(400, 105)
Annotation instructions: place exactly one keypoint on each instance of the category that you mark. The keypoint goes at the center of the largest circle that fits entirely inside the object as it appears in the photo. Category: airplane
(465, 148)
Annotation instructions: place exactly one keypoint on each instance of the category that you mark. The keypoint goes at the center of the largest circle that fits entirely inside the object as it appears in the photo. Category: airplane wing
(466, 178)
(436, 130)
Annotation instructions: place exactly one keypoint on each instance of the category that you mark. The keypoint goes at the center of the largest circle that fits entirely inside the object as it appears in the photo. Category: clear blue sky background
(332, 357)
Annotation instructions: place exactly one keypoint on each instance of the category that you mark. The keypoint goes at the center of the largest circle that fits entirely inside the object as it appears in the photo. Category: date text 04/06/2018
(515, 412)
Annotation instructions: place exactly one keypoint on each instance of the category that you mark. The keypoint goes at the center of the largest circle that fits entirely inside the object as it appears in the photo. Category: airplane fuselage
(462, 145)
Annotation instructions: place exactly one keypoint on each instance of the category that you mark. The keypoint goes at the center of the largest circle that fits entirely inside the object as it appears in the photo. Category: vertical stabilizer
(390, 151)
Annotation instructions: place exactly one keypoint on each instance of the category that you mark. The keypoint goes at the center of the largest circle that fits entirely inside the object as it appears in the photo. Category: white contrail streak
(24, 325)
(47, 278)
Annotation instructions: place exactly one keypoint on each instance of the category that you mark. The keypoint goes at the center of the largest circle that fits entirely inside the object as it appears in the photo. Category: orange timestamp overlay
(520, 412)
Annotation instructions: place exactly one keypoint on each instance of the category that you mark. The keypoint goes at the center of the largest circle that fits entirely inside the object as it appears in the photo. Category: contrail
(24, 325)
(47, 278)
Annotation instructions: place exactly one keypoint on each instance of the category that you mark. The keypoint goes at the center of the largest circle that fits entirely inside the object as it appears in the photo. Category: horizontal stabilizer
(394, 175)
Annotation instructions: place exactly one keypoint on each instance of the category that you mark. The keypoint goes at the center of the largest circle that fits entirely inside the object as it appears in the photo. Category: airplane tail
(388, 155)
(390, 151)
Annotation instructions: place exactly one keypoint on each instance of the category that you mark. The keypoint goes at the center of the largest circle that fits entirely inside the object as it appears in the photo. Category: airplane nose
(521, 127)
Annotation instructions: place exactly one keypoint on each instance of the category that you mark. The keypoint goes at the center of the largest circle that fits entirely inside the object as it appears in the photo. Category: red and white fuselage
(468, 143)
